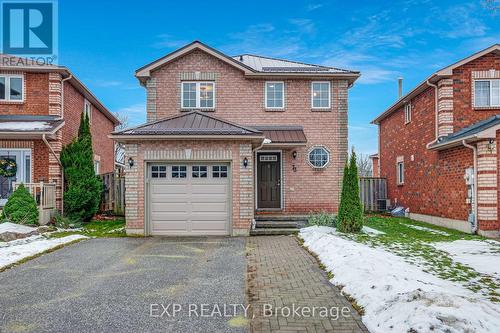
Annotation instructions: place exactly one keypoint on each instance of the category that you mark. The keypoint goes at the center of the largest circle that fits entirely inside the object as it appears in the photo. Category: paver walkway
(281, 274)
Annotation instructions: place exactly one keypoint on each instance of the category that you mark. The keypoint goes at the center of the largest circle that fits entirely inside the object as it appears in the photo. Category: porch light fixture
(245, 162)
(294, 154)
(490, 145)
(130, 162)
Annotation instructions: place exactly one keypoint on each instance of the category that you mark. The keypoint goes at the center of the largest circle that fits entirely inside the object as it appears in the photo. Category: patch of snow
(398, 296)
(417, 227)
(368, 230)
(21, 241)
(13, 254)
(482, 256)
(17, 228)
(24, 126)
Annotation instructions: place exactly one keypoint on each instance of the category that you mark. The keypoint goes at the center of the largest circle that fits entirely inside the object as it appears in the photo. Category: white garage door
(189, 199)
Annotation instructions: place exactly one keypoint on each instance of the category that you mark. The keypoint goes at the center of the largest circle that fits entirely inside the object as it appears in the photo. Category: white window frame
(491, 93)
(329, 96)
(7, 88)
(400, 174)
(198, 94)
(88, 110)
(328, 157)
(407, 110)
(265, 95)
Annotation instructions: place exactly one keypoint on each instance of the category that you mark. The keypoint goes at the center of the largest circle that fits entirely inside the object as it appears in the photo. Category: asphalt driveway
(129, 284)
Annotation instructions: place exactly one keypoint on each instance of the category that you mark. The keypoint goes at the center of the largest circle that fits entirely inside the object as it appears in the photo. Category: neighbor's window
(275, 95)
(487, 92)
(400, 173)
(11, 88)
(407, 113)
(219, 171)
(198, 95)
(320, 95)
(87, 110)
(179, 171)
(319, 157)
(158, 171)
(97, 166)
(199, 171)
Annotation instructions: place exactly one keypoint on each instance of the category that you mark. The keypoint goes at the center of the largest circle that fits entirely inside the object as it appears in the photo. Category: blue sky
(104, 42)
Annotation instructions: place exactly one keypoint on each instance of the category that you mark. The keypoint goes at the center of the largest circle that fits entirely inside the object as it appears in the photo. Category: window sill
(321, 109)
(274, 110)
(198, 109)
(11, 102)
(479, 108)
(400, 184)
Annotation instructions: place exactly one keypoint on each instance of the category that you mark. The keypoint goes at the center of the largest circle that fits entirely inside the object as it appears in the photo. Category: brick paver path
(282, 274)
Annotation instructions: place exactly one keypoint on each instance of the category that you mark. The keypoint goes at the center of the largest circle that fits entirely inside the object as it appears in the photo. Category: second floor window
(400, 169)
(198, 95)
(87, 110)
(407, 113)
(11, 88)
(275, 95)
(487, 93)
(320, 95)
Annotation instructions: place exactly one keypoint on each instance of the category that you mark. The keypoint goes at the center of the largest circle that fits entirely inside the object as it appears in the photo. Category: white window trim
(85, 104)
(198, 99)
(329, 96)
(24, 152)
(327, 161)
(7, 88)
(407, 110)
(400, 180)
(491, 93)
(265, 96)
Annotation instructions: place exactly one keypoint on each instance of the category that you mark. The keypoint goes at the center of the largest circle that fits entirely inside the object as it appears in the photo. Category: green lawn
(402, 239)
(101, 228)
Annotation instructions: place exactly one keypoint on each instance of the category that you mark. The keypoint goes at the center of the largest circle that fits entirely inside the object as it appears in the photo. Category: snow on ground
(17, 228)
(434, 231)
(16, 250)
(368, 230)
(396, 295)
(482, 256)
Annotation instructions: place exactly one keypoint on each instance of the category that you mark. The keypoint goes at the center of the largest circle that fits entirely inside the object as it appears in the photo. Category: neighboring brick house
(231, 137)
(438, 146)
(40, 110)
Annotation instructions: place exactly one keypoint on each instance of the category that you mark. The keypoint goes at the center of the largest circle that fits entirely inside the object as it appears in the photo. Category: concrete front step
(266, 217)
(273, 231)
(276, 224)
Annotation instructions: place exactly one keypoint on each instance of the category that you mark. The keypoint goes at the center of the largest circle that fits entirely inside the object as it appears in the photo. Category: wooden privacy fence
(113, 196)
(45, 197)
(373, 193)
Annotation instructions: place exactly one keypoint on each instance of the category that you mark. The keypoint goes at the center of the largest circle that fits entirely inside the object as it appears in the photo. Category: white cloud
(314, 6)
(139, 108)
(108, 83)
(168, 41)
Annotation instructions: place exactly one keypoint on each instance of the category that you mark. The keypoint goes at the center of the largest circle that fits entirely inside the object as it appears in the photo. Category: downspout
(436, 128)
(44, 139)
(62, 93)
(474, 192)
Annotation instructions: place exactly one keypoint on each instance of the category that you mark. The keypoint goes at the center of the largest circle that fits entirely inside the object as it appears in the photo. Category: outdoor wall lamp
(131, 162)
(490, 145)
(245, 162)
(294, 154)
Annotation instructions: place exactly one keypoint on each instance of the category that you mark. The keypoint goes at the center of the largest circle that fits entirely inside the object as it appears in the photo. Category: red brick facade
(240, 99)
(434, 184)
(43, 97)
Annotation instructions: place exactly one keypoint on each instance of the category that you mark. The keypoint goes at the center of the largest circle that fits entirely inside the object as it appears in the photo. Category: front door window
(22, 159)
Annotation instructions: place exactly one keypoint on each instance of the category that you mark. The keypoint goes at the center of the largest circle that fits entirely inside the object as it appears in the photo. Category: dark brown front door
(268, 180)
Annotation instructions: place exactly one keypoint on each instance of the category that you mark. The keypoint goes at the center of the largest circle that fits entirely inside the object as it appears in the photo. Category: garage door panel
(190, 206)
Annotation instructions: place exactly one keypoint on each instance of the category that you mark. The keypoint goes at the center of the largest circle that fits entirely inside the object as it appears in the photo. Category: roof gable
(145, 71)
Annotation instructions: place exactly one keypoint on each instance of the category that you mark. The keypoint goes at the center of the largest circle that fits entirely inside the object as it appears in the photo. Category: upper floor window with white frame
(87, 110)
(320, 95)
(275, 95)
(407, 113)
(400, 170)
(198, 95)
(487, 93)
(12, 88)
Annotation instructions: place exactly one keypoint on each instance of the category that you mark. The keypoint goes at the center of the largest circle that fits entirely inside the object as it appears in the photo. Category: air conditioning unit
(384, 204)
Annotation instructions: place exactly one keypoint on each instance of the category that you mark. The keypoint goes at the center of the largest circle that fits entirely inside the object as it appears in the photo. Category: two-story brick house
(231, 137)
(438, 146)
(40, 110)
